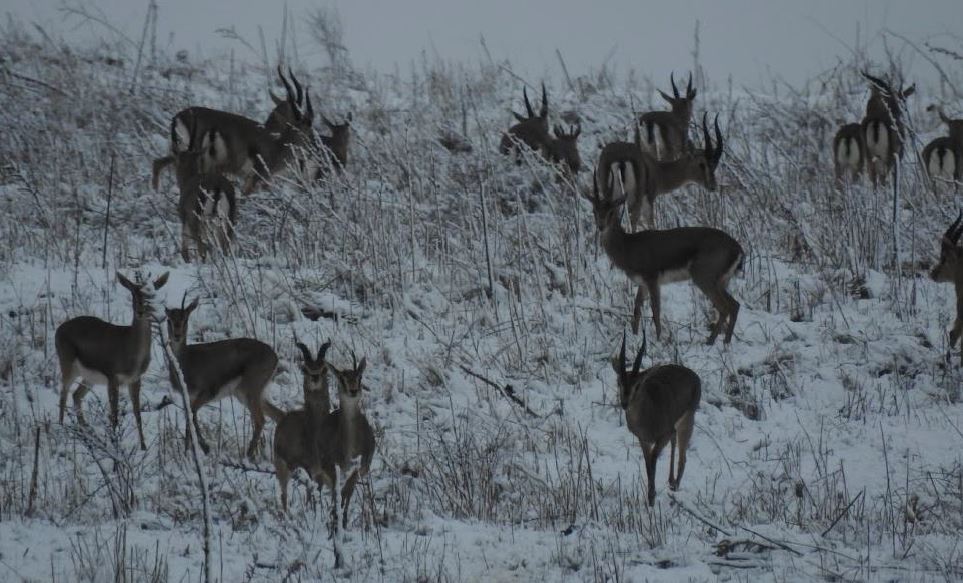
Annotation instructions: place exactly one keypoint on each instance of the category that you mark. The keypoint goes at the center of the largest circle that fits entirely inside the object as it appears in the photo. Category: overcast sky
(742, 38)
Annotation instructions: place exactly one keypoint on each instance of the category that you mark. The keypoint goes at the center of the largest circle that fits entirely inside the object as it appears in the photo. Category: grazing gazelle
(644, 178)
(563, 149)
(848, 152)
(241, 367)
(346, 439)
(531, 130)
(207, 204)
(660, 405)
(950, 269)
(101, 353)
(334, 153)
(883, 128)
(707, 256)
(941, 158)
(243, 147)
(296, 437)
(665, 134)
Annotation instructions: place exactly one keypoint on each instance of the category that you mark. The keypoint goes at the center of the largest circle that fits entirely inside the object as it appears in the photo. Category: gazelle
(531, 130)
(296, 438)
(334, 153)
(709, 257)
(955, 126)
(345, 436)
(241, 367)
(660, 405)
(665, 134)
(101, 353)
(848, 152)
(207, 204)
(644, 178)
(243, 147)
(950, 269)
(563, 149)
(941, 158)
(883, 127)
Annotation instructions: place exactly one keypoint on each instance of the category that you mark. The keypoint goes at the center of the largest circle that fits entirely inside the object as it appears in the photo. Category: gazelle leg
(257, 419)
(640, 296)
(135, 405)
(651, 456)
(79, 395)
(683, 435)
(113, 395)
(283, 473)
(196, 405)
(656, 301)
(185, 244)
(65, 383)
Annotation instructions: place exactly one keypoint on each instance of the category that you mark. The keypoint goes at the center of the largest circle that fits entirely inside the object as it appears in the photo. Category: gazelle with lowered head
(241, 367)
(660, 405)
(101, 353)
(706, 256)
(334, 150)
(950, 269)
(243, 147)
(296, 439)
(206, 206)
(665, 134)
(562, 149)
(531, 130)
(883, 127)
(643, 178)
(849, 154)
(955, 126)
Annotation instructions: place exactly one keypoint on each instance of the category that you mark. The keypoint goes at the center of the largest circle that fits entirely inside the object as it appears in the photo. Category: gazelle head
(565, 148)
(532, 129)
(291, 109)
(141, 292)
(177, 319)
(337, 142)
(349, 382)
(707, 160)
(681, 105)
(884, 101)
(315, 370)
(605, 209)
(627, 380)
(951, 255)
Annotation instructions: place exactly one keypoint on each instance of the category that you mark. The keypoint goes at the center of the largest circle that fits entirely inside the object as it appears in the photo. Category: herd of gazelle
(209, 147)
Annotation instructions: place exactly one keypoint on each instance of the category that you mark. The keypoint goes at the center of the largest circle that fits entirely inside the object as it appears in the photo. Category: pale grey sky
(742, 38)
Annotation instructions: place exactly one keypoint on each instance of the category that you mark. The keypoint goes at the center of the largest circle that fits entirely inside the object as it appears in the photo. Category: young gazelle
(848, 152)
(334, 153)
(241, 367)
(531, 130)
(207, 204)
(665, 134)
(296, 439)
(660, 404)
(645, 178)
(707, 256)
(950, 269)
(942, 158)
(883, 127)
(563, 149)
(101, 353)
(346, 439)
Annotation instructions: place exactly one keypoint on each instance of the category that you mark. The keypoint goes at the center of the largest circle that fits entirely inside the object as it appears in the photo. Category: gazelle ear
(362, 365)
(193, 305)
(519, 116)
(125, 282)
(277, 100)
(664, 95)
(160, 281)
(909, 90)
(305, 353)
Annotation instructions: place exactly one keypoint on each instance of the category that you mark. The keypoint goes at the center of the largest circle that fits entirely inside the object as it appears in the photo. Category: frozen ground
(827, 446)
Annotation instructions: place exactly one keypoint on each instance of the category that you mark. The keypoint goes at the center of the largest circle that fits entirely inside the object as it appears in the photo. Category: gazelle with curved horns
(242, 147)
(644, 178)
(531, 130)
(883, 127)
(101, 353)
(660, 405)
(849, 154)
(950, 269)
(709, 257)
(562, 149)
(241, 367)
(665, 134)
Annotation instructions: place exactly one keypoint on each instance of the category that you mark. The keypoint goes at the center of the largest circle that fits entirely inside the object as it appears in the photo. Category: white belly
(228, 388)
(93, 378)
(674, 275)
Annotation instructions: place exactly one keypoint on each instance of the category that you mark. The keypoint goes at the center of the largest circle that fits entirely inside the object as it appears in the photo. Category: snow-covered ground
(828, 442)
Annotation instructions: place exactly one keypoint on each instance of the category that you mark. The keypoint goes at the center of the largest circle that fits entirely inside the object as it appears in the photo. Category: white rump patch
(92, 377)
(942, 164)
(228, 388)
(877, 143)
(214, 152)
(847, 155)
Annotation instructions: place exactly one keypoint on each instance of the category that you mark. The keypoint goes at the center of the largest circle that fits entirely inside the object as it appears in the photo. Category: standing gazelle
(296, 439)
(563, 149)
(101, 353)
(707, 256)
(531, 130)
(665, 134)
(950, 269)
(660, 405)
(941, 159)
(955, 126)
(848, 152)
(241, 367)
(644, 178)
(883, 128)
(334, 150)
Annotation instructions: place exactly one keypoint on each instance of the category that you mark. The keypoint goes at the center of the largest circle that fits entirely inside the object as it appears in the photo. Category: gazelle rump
(941, 160)
(649, 178)
(101, 353)
(848, 152)
(660, 405)
(296, 439)
(241, 367)
(709, 257)
(883, 128)
(665, 134)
